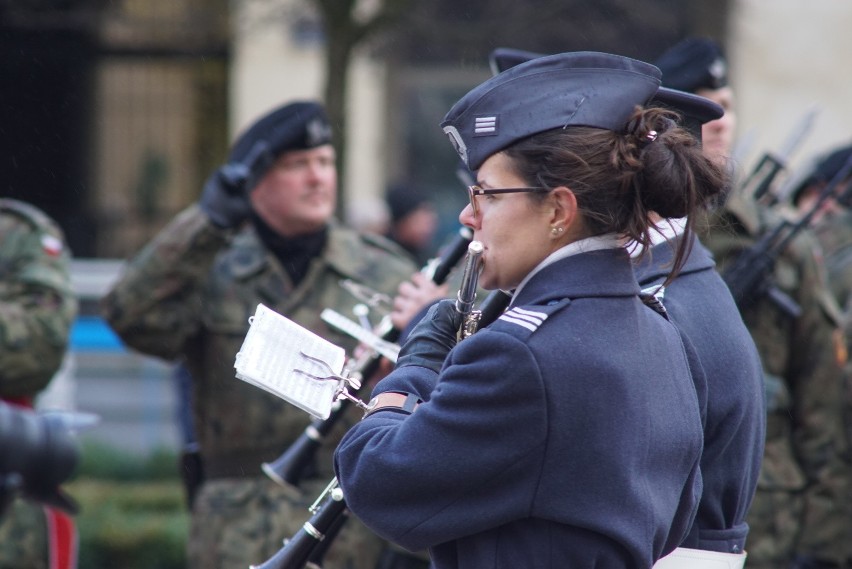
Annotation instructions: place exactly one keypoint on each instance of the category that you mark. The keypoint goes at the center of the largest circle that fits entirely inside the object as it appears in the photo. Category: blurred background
(113, 112)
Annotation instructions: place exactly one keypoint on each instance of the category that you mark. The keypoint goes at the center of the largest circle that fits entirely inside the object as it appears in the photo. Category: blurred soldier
(833, 228)
(832, 224)
(37, 308)
(796, 517)
(413, 220)
(262, 232)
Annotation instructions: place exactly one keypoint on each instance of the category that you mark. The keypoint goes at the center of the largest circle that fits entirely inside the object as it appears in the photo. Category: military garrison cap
(296, 126)
(695, 110)
(692, 64)
(585, 88)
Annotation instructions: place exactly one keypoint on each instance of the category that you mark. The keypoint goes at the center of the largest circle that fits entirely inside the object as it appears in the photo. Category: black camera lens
(37, 454)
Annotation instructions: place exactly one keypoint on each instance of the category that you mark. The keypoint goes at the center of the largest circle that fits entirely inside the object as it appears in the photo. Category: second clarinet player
(568, 432)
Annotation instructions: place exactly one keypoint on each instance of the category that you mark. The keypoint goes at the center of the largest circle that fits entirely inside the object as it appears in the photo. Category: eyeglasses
(474, 191)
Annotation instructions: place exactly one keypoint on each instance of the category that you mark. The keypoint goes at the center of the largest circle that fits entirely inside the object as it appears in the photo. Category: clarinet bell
(289, 468)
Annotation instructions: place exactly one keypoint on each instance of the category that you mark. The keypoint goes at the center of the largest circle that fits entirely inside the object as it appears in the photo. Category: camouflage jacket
(191, 292)
(37, 301)
(834, 233)
(802, 481)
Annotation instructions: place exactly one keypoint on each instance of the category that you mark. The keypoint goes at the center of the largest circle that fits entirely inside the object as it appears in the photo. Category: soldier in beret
(833, 222)
(262, 232)
(568, 432)
(797, 518)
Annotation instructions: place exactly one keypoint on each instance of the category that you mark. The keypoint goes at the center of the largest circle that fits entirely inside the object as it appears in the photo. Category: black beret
(404, 199)
(825, 170)
(568, 89)
(831, 165)
(296, 126)
(694, 63)
(695, 110)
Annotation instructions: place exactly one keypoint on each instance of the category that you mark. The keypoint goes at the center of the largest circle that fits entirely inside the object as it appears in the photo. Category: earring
(556, 230)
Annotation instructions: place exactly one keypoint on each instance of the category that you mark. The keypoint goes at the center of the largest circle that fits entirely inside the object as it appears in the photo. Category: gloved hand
(432, 338)
(225, 195)
(810, 562)
(225, 198)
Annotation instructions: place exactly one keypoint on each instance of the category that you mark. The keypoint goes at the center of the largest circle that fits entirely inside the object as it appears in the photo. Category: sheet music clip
(343, 385)
(367, 295)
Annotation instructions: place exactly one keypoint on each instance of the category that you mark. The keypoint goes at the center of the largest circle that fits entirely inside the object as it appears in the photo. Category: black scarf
(294, 253)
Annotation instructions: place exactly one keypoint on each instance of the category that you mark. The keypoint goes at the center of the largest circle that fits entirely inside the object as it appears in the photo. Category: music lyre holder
(344, 382)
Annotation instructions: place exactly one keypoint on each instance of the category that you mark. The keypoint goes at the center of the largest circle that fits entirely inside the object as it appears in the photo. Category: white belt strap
(683, 558)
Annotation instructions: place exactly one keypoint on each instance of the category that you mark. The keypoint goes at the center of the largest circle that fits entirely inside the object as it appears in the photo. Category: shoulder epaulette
(528, 319)
(247, 257)
(524, 321)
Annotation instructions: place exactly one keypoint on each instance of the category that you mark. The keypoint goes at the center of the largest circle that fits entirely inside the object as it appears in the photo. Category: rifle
(748, 277)
(759, 181)
(288, 469)
(329, 511)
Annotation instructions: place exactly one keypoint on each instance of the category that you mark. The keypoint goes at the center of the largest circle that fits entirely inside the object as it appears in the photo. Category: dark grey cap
(695, 110)
(591, 89)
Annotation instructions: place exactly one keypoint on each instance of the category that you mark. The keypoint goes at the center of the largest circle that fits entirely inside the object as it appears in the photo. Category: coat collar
(657, 263)
(606, 272)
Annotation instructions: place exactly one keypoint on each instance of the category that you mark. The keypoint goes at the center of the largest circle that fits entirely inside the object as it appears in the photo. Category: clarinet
(329, 510)
(288, 469)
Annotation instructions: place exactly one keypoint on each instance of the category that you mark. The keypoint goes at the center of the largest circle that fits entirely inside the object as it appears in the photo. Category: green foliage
(132, 510)
(106, 462)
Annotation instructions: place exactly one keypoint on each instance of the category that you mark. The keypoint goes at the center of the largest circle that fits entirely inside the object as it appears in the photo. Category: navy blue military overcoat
(699, 303)
(567, 433)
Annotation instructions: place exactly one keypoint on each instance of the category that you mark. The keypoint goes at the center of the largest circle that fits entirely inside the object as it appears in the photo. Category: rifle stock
(759, 182)
(749, 278)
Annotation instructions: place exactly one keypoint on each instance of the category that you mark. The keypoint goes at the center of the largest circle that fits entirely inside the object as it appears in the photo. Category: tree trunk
(338, 56)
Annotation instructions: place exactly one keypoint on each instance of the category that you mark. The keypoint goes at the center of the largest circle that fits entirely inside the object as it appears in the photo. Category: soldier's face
(718, 135)
(299, 193)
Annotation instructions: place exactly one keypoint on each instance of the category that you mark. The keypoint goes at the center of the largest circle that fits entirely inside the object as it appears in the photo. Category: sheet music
(272, 357)
(385, 348)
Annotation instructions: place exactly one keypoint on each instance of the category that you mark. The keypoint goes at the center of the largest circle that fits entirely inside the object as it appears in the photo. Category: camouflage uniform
(799, 505)
(37, 308)
(190, 294)
(834, 233)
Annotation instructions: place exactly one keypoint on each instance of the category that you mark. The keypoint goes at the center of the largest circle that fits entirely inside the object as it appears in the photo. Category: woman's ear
(565, 210)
